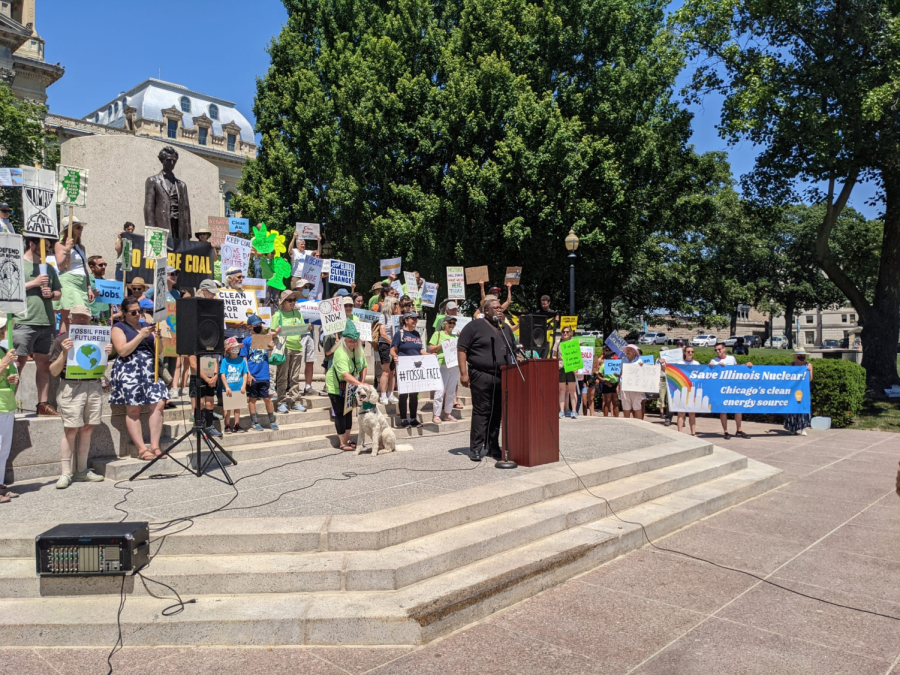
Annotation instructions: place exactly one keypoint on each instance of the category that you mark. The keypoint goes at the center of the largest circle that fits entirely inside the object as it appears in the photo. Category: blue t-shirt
(233, 370)
(257, 360)
(408, 342)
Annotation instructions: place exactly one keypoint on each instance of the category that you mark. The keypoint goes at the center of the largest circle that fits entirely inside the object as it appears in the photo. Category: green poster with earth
(87, 358)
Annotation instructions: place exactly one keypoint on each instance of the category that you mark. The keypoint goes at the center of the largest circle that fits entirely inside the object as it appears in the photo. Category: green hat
(351, 331)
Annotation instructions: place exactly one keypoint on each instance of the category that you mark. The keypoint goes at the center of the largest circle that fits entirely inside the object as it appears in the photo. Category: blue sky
(218, 48)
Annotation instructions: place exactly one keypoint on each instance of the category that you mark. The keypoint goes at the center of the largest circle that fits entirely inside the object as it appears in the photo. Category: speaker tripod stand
(199, 432)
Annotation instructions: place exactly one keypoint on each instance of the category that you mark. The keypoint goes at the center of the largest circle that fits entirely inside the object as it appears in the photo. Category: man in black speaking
(482, 350)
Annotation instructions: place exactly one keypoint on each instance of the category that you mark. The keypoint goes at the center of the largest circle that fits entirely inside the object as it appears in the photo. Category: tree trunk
(607, 316)
(732, 329)
(881, 322)
(789, 308)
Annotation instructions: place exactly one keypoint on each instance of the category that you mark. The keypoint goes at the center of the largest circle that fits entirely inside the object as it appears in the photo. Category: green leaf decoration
(263, 239)
(281, 269)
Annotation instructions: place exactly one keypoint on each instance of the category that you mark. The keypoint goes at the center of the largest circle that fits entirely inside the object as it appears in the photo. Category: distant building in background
(171, 114)
(817, 325)
(22, 64)
(749, 321)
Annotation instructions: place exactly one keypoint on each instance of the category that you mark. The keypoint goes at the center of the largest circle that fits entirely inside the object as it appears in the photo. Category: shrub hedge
(837, 390)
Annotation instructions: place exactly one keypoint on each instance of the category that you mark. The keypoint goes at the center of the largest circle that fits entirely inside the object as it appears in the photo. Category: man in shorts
(34, 335)
(631, 401)
(79, 402)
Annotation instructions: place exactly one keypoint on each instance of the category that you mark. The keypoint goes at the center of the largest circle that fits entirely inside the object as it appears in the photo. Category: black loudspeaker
(532, 332)
(200, 327)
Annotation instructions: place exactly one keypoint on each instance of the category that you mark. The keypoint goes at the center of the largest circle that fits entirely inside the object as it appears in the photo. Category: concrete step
(412, 615)
(394, 567)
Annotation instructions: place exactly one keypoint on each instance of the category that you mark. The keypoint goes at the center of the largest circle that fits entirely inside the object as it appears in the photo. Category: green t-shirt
(7, 391)
(373, 300)
(439, 338)
(343, 363)
(40, 309)
(294, 343)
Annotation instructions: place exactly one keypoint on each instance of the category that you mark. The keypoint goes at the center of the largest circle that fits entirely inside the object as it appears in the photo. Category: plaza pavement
(832, 531)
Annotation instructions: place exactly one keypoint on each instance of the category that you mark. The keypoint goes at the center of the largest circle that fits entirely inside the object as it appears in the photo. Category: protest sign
(570, 351)
(125, 258)
(456, 283)
(294, 331)
(422, 330)
(412, 285)
(568, 322)
(71, 187)
(159, 290)
(365, 331)
(391, 266)
(332, 314)
(193, 260)
(587, 357)
(241, 225)
(309, 310)
(648, 359)
(312, 272)
(110, 292)
(155, 242)
(342, 273)
(87, 359)
(588, 340)
(233, 400)
(451, 358)
(476, 274)
(612, 367)
(781, 390)
(429, 294)
(461, 322)
(307, 230)
(258, 286)
(260, 341)
(672, 354)
(265, 314)
(237, 304)
(219, 228)
(418, 373)
(616, 343)
(514, 275)
(326, 265)
(10, 177)
(12, 274)
(39, 203)
(168, 329)
(368, 316)
(637, 377)
(235, 254)
(397, 286)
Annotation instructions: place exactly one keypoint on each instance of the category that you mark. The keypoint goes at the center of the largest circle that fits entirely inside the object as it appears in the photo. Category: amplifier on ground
(90, 549)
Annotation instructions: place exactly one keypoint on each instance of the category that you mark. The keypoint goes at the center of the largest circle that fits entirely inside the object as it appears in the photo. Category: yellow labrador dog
(374, 424)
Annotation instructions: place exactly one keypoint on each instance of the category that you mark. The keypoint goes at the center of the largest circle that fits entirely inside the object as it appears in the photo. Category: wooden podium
(530, 412)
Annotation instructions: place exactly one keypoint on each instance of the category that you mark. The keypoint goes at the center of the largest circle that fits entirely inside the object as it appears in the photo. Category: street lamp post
(572, 245)
(326, 253)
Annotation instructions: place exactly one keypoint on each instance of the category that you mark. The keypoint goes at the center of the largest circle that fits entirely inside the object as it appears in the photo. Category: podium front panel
(531, 412)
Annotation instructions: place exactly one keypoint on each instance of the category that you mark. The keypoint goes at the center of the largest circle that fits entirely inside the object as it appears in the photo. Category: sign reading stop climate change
(737, 389)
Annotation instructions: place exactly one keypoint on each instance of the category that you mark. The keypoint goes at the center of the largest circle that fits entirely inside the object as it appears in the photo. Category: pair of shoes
(228, 429)
(383, 399)
(415, 423)
(393, 399)
(6, 492)
(87, 476)
(299, 407)
(273, 426)
(46, 410)
(256, 426)
(212, 431)
(64, 481)
(282, 408)
(474, 456)
(404, 424)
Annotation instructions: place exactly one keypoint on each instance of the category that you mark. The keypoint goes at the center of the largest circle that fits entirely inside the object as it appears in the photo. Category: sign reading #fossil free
(781, 390)
(418, 373)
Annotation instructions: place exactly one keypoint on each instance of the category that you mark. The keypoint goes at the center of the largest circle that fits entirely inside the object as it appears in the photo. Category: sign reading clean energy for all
(734, 389)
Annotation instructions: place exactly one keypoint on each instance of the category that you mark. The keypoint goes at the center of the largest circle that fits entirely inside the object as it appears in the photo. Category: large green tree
(473, 132)
(816, 84)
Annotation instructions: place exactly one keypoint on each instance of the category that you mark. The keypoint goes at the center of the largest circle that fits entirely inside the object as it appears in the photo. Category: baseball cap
(170, 269)
(210, 285)
(347, 301)
(146, 303)
(451, 305)
(81, 309)
(254, 320)
(342, 291)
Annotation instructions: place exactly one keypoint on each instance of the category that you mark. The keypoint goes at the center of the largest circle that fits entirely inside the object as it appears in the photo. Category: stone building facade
(22, 64)
(750, 321)
(818, 325)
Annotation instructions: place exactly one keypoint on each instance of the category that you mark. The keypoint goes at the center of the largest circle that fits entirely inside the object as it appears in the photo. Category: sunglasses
(173, 274)
(99, 264)
(5, 210)
(134, 312)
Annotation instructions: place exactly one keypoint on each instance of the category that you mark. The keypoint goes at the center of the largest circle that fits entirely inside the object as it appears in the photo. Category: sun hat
(341, 291)
(378, 285)
(231, 343)
(350, 330)
(80, 309)
(799, 351)
(203, 229)
(451, 305)
(65, 222)
(138, 281)
(297, 282)
(287, 295)
(210, 285)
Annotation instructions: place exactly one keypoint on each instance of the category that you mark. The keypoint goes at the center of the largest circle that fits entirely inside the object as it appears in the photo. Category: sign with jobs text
(782, 390)
(456, 283)
(110, 292)
(87, 359)
(568, 322)
(39, 203)
(419, 373)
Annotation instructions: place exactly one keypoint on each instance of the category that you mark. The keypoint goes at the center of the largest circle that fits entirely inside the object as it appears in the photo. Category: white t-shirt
(727, 361)
(682, 362)
(78, 261)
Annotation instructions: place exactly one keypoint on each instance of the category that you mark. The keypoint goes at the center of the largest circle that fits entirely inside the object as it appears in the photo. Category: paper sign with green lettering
(570, 351)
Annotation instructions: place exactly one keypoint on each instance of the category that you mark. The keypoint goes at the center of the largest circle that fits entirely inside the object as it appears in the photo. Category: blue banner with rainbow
(780, 390)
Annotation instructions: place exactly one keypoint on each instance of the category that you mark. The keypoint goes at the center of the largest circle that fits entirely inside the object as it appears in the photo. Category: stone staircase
(403, 575)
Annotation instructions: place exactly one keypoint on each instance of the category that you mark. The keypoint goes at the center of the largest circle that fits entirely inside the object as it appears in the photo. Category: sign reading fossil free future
(735, 389)
(87, 359)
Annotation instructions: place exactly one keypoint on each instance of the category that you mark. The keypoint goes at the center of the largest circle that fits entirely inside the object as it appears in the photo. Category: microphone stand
(506, 462)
